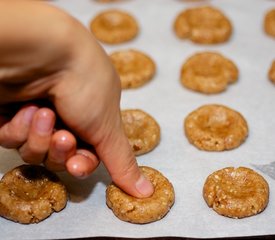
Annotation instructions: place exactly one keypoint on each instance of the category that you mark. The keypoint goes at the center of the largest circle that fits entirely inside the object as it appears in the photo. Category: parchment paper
(87, 215)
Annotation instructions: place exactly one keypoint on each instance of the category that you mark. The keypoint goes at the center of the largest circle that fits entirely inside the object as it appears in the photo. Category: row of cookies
(203, 25)
(224, 190)
(211, 127)
(205, 72)
(136, 68)
(217, 128)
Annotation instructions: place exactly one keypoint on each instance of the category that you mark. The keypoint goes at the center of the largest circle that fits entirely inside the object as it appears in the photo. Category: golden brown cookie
(236, 192)
(134, 67)
(206, 25)
(142, 130)
(271, 73)
(114, 26)
(145, 210)
(29, 194)
(215, 128)
(208, 72)
(269, 23)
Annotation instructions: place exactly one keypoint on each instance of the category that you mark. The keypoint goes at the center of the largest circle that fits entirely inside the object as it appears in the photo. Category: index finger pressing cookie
(236, 192)
(114, 26)
(215, 128)
(146, 210)
(269, 23)
(142, 130)
(206, 25)
(208, 72)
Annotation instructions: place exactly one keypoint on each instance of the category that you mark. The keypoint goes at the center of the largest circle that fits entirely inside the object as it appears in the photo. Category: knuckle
(125, 172)
(10, 137)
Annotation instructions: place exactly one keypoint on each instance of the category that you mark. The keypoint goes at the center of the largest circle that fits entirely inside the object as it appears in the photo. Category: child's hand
(47, 54)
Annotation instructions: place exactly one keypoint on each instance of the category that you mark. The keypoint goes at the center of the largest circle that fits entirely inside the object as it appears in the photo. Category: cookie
(145, 210)
(269, 23)
(114, 26)
(215, 127)
(206, 25)
(236, 192)
(208, 72)
(135, 68)
(29, 194)
(142, 130)
(271, 73)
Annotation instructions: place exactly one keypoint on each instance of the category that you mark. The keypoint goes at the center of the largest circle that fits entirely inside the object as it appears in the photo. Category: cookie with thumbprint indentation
(142, 130)
(206, 25)
(269, 23)
(29, 194)
(236, 192)
(134, 68)
(208, 72)
(142, 210)
(114, 26)
(271, 73)
(215, 127)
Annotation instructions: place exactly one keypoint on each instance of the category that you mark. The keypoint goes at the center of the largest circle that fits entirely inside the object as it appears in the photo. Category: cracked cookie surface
(208, 72)
(215, 127)
(142, 130)
(135, 68)
(205, 25)
(142, 210)
(236, 192)
(29, 194)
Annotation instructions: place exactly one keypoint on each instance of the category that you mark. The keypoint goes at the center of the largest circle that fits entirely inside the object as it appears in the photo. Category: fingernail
(73, 168)
(63, 145)
(28, 114)
(78, 166)
(78, 173)
(144, 186)
(44, 123)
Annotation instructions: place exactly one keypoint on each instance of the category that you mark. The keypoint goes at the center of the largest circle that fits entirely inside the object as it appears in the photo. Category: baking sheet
(87, 215)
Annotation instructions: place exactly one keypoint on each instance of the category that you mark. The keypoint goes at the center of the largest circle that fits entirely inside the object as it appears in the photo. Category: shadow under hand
(9, 159)
(79, 190)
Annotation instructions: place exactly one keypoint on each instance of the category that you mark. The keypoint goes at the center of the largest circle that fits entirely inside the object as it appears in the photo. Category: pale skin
(45, 53)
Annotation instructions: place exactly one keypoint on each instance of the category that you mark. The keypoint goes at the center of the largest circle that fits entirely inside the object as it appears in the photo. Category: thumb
(119, 159)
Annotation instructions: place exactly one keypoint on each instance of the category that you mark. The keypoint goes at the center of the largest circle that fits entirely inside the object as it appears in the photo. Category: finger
(15, 132)
(120, 161)
(82, 164)
(62, 147)
(38, 142)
